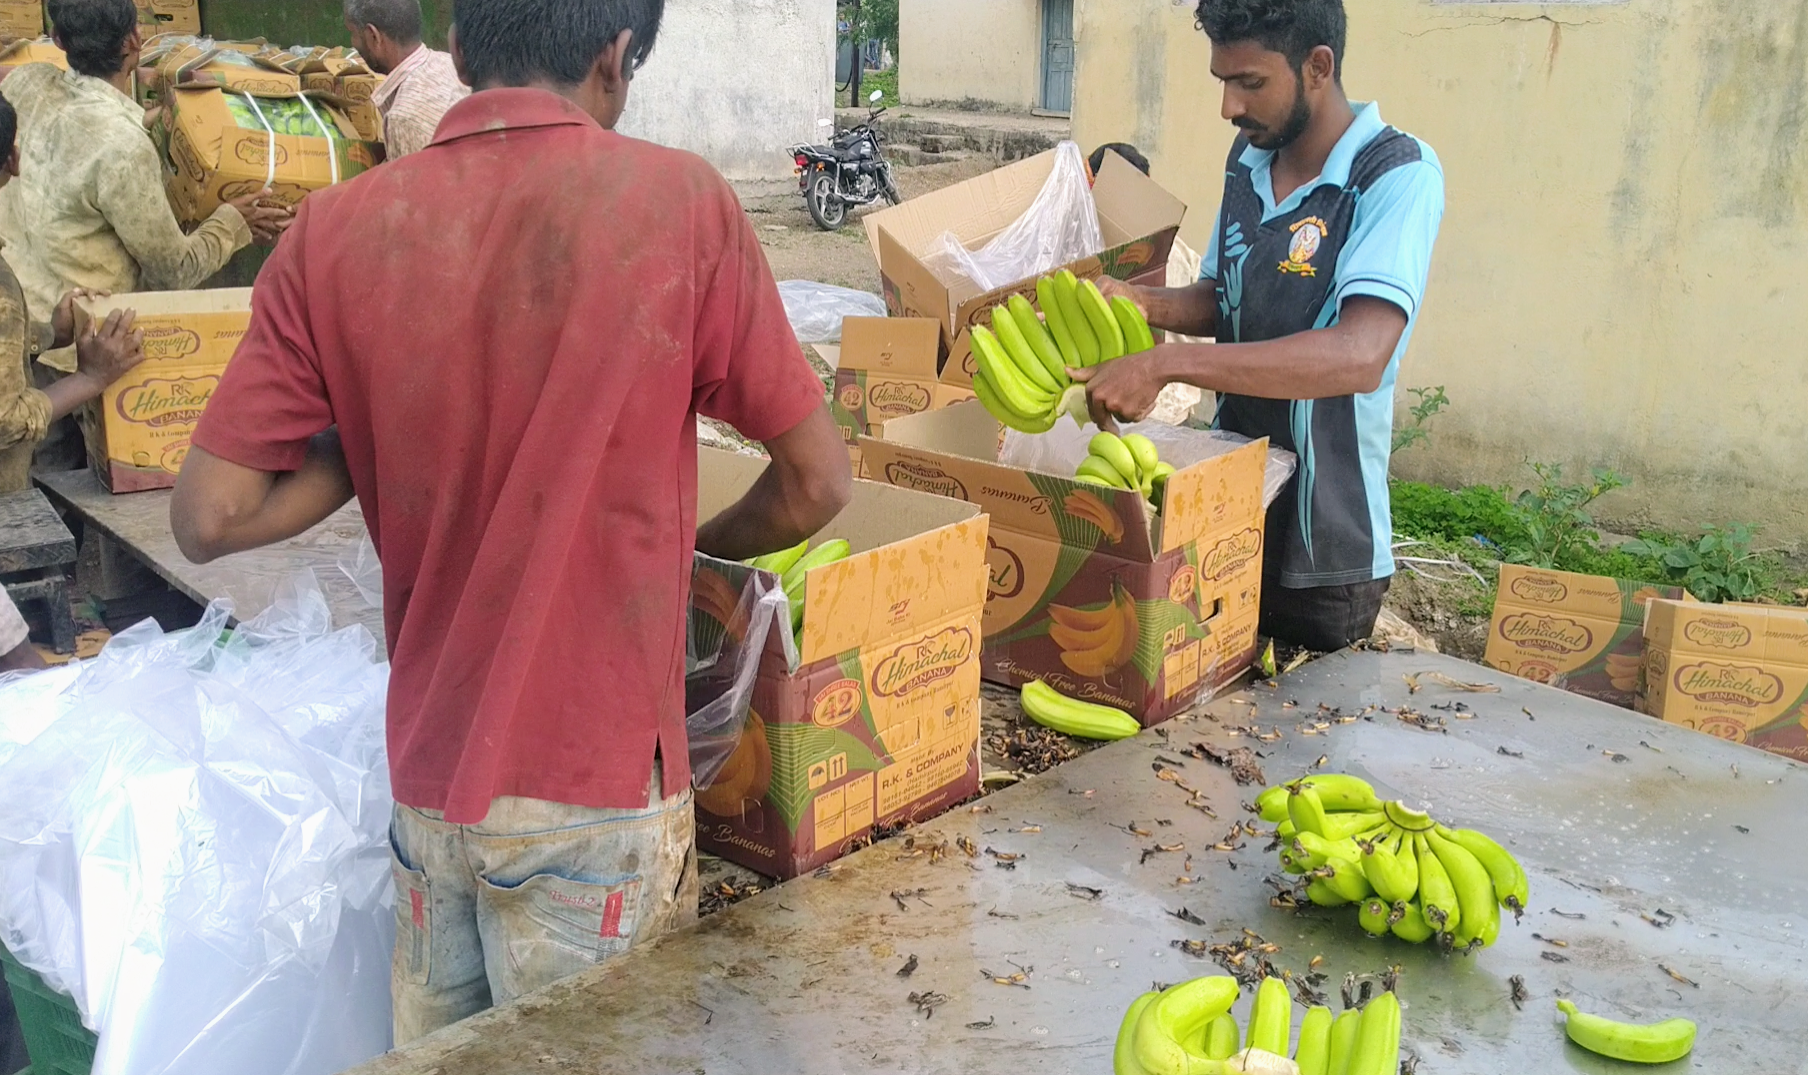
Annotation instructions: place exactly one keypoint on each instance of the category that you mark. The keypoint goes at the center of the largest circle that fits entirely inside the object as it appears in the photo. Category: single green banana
(1306, 810)
(1142, 449)
(1014, 390)
(1340, 791)
(795, 593)
(1406, 818)
(1094, 467)
(1089, 479)
(1346, 879)
(1377, 1050)
(1039, 340)
(1067, 297)
(1313, 1054)
(1345, 825)
(1384, 871)
(1286, 830)
(1271, 805)
(1474, 891)
(1314, 850)
(1070, 716)
(1181, 1014)
(1372, 916)
(1293, 863)
(1057, 323)
(1104, 323)
(1323, 895)
(829, 552)
(1123, 1058)
(1004, 326)
(1654, 1043)
(1343, 1042)
(1221, 1038)
(1437, 895)
(1409, 923)
(1137, 336)
(1508, 877)
(989, 399)
(1111, 448)
(780, 562)
(1271, 1018)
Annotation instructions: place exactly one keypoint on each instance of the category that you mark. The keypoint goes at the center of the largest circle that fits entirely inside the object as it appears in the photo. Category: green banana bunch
(1022, 359)
(1070, 716)
(1127, 462)
(793, 567)
(1188, 1029)
(1406, 874)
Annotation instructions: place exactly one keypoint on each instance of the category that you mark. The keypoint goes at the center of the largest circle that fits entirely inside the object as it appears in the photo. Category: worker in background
(1311, 284)
(88, 210)
(501, 344)
(419, 83)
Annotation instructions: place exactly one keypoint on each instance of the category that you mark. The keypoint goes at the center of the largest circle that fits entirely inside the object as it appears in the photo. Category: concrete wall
(960, 51)
(1620, 278)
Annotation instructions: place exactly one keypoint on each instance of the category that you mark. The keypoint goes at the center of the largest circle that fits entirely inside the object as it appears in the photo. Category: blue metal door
(1057, 55)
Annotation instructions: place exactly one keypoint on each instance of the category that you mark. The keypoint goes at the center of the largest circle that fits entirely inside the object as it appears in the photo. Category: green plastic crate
(55, 1038)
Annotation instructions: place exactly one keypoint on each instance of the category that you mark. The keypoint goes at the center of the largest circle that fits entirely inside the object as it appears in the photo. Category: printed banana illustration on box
(1583, 633)
(1737, 672)
(138, 434)
(878, 719)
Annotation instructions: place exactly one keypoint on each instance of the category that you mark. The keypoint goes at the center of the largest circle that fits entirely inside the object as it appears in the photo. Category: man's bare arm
(807, 484)
(221, 507)
(1349, 358)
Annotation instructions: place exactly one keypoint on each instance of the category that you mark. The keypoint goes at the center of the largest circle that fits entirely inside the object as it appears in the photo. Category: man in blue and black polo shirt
(1311, 284)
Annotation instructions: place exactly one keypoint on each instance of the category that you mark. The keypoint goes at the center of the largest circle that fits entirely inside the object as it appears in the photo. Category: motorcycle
(850, 170)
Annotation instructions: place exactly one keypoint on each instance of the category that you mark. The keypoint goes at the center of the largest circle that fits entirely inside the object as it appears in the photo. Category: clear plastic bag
(1063, 448)
(1060, 226)
(722, 660)
(815, 310)
(193, 842)
(362, 566)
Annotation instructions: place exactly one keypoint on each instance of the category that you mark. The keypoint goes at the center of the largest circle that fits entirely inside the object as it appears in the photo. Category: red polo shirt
(514, 330)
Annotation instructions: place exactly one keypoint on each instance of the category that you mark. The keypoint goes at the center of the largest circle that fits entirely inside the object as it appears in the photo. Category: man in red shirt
(500, 345)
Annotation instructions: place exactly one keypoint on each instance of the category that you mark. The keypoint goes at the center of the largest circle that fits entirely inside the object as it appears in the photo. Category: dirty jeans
(536, 892)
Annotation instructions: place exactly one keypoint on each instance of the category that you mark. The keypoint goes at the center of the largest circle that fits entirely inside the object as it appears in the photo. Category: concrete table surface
(1621, 821)
(140, 523)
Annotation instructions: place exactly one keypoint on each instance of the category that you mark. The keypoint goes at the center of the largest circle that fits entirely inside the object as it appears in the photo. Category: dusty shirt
(88, 207)
(24, 410)
(414, 98)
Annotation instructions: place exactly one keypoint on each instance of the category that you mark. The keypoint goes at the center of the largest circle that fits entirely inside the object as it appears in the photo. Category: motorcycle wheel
(826, 206)
(890, 187)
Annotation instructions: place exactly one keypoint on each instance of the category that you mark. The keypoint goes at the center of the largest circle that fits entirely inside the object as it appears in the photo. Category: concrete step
(906, 155)
(1003, 136)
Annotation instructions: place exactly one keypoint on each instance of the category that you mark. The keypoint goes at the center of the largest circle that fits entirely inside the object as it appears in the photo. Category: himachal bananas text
(1407, 875)
(1127, 462)
(1188, 1029)
(1022, 359)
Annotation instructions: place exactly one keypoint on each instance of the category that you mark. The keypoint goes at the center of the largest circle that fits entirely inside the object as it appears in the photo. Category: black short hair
(1122, 149)
(515, 42)
(1290, 27)
(400, 20)
(9, 128)
(94, 33)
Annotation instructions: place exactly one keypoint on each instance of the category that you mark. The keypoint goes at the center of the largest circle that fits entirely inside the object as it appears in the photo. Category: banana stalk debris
(1188, 1029)
(1022, 359)
(1407, 875)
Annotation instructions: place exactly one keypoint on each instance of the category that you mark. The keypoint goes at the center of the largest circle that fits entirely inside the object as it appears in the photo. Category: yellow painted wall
(986, 51)
(1622, 276)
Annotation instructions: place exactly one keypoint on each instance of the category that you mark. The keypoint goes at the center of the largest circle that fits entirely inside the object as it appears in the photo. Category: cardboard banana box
(21, 18)
(1090, 589)
(1583, 633)
(139, 432)
(886, 368)
(169, 16)
(877, 721)
(1736, 672)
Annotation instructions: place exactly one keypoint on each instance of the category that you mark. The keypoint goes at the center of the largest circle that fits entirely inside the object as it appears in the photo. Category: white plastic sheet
(1060, 226)
(815, 310)
(193, 843)
(722, 662)
(1063, 448)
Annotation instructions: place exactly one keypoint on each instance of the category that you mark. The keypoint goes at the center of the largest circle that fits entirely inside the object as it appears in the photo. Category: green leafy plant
(1415, 431)
(1552, 518)
(1718, 566)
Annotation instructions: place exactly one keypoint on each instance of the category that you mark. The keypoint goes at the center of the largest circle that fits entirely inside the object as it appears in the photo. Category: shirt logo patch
(1308, 236)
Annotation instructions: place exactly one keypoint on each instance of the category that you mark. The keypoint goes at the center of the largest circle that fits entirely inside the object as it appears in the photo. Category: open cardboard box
(169, 16)
(885, 368)
(17, 54)
(1737, 672)
(1137, 217)
(138, 433)
(1090, 589)
(877, 720)
(1583, 633)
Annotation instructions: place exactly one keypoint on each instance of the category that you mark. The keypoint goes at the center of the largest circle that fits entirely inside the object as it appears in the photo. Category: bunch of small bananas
(1023, 359)
(1188, 1029)
(1407, 874)
(1126, 462)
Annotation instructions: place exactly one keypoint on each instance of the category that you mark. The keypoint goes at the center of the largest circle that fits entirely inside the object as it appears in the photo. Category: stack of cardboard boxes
(886, 368)
(169, 17)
